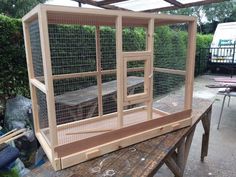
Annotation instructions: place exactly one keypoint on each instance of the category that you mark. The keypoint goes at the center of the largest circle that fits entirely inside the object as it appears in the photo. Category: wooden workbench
(145, 158)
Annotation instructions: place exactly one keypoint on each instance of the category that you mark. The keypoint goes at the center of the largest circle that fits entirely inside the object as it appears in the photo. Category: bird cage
(95, 75)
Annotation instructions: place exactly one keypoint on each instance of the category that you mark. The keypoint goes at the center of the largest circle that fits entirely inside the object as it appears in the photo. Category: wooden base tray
(76, 131)
(85, 139)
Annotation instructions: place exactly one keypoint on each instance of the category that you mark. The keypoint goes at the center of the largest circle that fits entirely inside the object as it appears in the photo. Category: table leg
(206, 122)
(176, 162)
(221, 112)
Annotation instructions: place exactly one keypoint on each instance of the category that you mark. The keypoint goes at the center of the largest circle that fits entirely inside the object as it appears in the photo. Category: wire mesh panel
(43, 113)
(109, 93)
(75, 99)
(134, 39)
(170, 47)
(107, 41)
(73, 48)
(36, 50)
(135, 77)
(170, 86)
(108, 47)
(170, 53)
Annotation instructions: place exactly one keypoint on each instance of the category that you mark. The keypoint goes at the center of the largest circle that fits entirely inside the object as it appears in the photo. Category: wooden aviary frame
(74, 133)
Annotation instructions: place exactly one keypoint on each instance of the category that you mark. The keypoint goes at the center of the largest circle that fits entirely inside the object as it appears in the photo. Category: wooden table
(76, 102)
(145, 158)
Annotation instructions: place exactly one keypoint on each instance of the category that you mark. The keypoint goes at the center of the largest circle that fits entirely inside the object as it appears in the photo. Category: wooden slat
(74, 75)
(46, 56)
(31, 75)
(149, 77)
(45, 146)
(160, 111)
(38, 84)
(190, 63)
(170, 71)
(99, 68)
(91, 73)
(137, 54)
(120, 72)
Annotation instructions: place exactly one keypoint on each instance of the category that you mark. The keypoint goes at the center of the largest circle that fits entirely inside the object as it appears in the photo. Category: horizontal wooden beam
(170, 71)
(199, 3)
(91, 73)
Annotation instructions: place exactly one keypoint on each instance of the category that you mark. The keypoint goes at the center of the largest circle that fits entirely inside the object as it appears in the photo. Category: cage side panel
(36, 51)
(170, 47)
(73, 48)
(43, 114)
(170, 52)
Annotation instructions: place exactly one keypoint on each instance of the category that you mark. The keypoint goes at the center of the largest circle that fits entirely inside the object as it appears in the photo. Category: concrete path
(221, 160)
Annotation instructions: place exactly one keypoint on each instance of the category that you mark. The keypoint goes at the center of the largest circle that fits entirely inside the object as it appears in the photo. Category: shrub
(13, 75)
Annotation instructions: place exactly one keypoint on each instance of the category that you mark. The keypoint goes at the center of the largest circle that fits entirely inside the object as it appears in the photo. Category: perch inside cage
(95, 75)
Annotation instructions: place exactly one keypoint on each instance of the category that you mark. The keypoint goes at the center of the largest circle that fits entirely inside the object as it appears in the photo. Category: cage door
(137, 77)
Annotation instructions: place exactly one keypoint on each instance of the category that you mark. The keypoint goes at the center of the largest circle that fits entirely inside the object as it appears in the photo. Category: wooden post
(99, 71)
(120, 72)
(31, 76)
(46, 56)
(190, 62)
(150, 43)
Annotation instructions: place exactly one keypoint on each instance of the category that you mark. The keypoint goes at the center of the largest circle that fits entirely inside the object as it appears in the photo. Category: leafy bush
(13, 75)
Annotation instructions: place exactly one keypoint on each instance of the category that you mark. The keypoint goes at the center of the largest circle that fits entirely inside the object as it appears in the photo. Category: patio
(222, 155)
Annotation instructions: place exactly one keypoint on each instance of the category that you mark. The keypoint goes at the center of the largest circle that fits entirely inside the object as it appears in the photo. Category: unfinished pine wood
(46, 56)
(99, 69)
(170, 71)
(149, 77)
(38, 84)
(120, 72)
(190, 63)
(29, 62)
(80, 140)
(171, 18)
(66, 134)
(138, 127)
(11, 135)
(45, 47)
(87, 74)
(142, 56)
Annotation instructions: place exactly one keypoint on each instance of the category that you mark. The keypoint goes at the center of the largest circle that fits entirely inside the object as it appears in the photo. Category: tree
(210, 15)
(17, 8)
(218, 12)
(192, 11)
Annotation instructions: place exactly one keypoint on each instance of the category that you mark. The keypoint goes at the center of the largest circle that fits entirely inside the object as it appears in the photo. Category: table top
(141, 159)
(74, 98)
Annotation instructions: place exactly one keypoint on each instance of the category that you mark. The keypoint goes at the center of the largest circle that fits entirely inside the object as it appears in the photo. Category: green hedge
(13, 70)
(14, 79)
